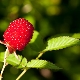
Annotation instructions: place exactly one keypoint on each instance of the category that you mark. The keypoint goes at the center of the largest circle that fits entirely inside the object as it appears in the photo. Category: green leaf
(76, 35)
(11, 59)
(41, 64)
(60, 43)
(36, 42)
(23, 63)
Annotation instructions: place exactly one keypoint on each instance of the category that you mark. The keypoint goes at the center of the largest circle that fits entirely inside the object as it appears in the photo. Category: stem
(0, 77)
(24, 71)
(22, 74)
(39, 55)
(4, 65)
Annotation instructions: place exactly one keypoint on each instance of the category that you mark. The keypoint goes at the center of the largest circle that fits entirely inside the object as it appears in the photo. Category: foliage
(57, 34)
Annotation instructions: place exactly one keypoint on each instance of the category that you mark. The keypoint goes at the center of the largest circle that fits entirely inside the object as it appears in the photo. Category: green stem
(22, 74)
(24, 71)
(39, 55)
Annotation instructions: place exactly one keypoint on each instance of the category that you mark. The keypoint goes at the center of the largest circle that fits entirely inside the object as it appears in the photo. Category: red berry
(18, 34)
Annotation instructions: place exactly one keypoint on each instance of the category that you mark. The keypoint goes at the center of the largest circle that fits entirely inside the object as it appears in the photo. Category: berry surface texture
(18, 34)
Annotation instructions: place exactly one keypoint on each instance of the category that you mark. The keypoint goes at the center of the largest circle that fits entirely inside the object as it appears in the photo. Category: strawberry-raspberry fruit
(18, 34)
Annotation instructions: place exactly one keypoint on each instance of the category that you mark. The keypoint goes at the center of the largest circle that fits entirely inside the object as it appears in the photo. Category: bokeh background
(50, 18)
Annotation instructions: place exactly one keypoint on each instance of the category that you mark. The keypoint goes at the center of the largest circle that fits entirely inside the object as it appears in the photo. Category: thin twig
(4, 65)
(22, 74)
(39, 55)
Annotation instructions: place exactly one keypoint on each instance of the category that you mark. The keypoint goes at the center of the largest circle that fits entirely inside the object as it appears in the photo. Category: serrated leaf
(23, 63)
(11, 59)
(76, 35)
(60, 43)
(36, 42)
(41, 64)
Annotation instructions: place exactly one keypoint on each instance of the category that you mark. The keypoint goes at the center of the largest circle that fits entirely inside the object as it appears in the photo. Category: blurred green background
(50, 18)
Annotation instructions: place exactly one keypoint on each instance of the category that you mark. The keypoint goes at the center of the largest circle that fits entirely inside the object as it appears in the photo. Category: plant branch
(39, 55)
(5, 64)
(22, 74)
(24, 71)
